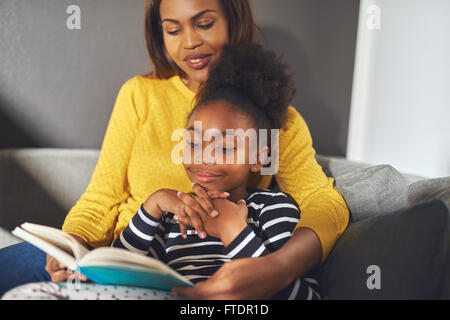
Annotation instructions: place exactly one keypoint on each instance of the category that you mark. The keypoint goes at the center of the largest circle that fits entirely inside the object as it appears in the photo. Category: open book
(104, 265)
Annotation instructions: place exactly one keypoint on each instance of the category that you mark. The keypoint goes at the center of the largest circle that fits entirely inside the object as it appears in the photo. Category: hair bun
(256, 74)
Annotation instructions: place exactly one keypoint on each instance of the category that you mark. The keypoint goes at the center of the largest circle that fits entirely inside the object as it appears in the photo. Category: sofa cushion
(409, 246)
(429, 188)
(372, 191)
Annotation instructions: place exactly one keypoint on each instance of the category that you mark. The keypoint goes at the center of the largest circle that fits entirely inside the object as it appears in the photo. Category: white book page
(49, 248)
(58, 238)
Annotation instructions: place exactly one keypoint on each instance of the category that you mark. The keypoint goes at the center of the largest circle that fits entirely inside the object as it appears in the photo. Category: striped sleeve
(144, 234)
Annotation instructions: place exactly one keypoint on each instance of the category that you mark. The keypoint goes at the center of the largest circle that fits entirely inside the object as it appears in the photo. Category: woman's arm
(256, 278)
(94, 215)
(323, 209)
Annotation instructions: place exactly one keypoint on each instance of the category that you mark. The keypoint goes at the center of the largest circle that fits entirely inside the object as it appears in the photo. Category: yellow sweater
(135, 161)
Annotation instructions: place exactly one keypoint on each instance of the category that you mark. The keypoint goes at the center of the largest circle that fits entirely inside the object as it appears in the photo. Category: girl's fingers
(203, 193)
(195, 205)
(196, 222)
(199, 190)
(216, 194)
(202, 197)
(207, 206)
(183, 229)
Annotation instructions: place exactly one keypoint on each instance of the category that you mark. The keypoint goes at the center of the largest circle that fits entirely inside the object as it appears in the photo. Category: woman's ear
(262, 156)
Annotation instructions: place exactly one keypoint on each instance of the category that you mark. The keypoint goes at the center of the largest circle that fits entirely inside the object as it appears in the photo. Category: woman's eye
(173, 32)
(206, 26)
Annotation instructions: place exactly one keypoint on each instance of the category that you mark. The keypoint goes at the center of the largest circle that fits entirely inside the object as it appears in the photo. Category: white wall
(400, 112)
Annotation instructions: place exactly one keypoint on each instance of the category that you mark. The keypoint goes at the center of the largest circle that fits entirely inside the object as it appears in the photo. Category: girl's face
(194, 33)
(203, 167)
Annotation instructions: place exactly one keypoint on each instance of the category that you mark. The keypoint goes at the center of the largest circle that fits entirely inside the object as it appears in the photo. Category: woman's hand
(57, 270)
(246, 278)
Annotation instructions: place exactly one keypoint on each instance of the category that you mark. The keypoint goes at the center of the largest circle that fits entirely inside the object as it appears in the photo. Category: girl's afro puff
(253, 80)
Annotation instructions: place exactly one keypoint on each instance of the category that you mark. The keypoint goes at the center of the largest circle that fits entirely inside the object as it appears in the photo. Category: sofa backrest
(41, 185)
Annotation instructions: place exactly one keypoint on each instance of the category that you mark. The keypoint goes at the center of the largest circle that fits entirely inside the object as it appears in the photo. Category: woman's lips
(197, 62)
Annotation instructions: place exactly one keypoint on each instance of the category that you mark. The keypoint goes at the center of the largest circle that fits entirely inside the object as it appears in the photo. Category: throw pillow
(429, 188)
(372, 191)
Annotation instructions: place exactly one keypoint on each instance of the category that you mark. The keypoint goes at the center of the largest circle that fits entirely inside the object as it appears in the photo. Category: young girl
(247, 89)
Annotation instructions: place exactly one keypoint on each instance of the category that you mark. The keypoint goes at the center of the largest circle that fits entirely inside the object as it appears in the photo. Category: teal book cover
(110, 275)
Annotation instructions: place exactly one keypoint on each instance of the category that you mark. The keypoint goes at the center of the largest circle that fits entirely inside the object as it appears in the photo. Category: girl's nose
(209, 159)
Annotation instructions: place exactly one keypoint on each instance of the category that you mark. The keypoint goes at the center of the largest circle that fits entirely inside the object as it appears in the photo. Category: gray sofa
(395, 247)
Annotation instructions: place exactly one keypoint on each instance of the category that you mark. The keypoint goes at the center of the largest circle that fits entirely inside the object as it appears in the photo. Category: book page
(51, 249)
(58, 238)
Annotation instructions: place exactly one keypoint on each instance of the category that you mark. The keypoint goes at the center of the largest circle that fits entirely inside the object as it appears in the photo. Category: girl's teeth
(195, 61)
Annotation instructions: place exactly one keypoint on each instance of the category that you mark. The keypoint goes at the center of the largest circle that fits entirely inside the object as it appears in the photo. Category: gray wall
(58, 86)
(401, 103)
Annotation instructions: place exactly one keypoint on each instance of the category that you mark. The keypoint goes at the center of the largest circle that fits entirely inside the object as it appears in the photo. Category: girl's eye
(206, 26)
(224, 149)
(195, 145)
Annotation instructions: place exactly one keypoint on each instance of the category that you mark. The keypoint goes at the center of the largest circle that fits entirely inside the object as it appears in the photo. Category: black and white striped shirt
(272, 217)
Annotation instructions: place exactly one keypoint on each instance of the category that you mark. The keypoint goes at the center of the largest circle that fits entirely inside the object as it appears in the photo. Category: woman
(184, 37)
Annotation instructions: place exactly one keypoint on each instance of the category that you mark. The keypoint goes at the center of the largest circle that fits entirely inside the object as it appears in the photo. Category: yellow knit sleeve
(94, 215)
(322, 207)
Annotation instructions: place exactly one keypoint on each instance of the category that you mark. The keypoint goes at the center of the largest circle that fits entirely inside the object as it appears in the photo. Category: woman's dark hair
(252, 80)
(241, 30)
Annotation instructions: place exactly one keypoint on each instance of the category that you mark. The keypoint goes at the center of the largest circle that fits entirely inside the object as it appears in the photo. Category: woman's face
(194, 33)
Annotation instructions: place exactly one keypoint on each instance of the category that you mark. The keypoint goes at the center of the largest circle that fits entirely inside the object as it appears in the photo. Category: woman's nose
(191, 39)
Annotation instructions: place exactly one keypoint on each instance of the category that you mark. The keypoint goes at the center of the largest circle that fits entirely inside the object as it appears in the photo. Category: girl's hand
(163, 200)
(227, 225)
(181, 205)
(198, 205)
(58, 271)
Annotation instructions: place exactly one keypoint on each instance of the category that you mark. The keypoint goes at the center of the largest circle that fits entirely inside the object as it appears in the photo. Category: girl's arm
(145, 234)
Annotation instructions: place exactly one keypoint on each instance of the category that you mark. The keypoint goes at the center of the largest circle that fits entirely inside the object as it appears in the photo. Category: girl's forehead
(220, 116)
